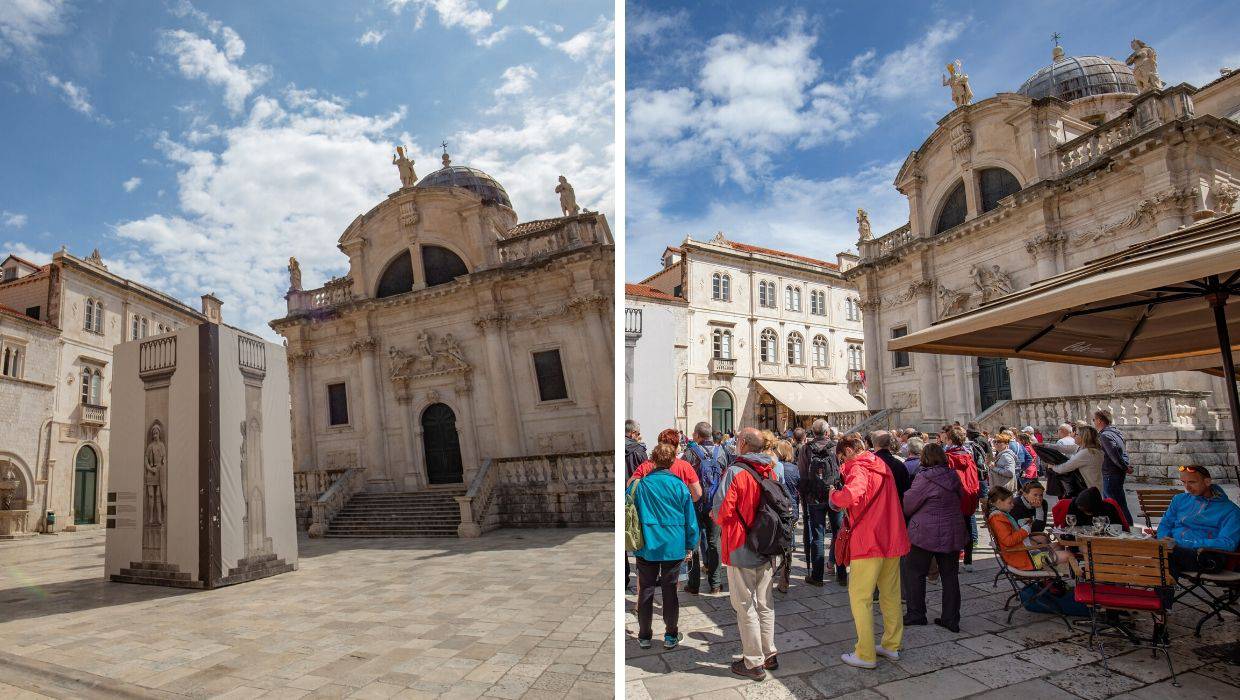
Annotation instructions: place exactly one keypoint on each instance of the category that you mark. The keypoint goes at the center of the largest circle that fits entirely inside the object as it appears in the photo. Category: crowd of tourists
(880, 515)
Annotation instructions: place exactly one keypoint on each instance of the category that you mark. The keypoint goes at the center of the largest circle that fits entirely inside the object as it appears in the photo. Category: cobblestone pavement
(1034, 657)
(514, 614)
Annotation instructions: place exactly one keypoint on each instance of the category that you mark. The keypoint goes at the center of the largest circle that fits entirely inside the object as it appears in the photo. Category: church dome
(473, 180)
(1073, 77)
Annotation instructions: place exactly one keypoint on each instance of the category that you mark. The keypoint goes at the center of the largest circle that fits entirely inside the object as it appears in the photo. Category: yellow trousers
(863, 576)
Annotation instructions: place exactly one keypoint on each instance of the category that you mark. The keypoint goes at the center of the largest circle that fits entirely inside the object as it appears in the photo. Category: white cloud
(517, 80)
(371, 37)
(131, 184)
(199, 57)
(452, 13)
(74, 95)
(13, 219)
(643, 25)
(753, 99)
(598, 40)
(25, 23)
(24, 251)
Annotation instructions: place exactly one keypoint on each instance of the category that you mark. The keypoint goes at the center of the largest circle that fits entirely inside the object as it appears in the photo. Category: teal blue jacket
(1194, 521)
(669, 522)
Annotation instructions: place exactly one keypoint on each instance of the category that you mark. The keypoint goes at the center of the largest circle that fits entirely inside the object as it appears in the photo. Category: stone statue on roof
(294, 275)
(568, 198)
(962, 94)
(864, 232)
(405, 166)
(1144, 62)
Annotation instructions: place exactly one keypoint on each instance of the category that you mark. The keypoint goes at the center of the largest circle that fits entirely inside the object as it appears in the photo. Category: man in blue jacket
(1201, 517)
(1115, 464)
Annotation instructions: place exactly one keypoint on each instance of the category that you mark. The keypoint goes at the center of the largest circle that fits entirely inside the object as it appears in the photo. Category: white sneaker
(887, 653)
(851, 659)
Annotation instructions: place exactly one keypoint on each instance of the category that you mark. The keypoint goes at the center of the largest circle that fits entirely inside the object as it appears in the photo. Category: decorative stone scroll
(1143, 212)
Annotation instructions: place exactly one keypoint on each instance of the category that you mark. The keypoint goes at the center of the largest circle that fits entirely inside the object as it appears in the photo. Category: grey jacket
(1003, 473)
(1115, 458)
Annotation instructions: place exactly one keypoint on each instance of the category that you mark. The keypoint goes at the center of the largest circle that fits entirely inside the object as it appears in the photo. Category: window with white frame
(900, 358)
(766, 294)
(145, 327)
(796, 349)
(134, 327)
(792, 298)
(852, 309)
(770, 346)
(856, 360)
(721, 287)
(820, 351)
(13, 357)
(721, 344)
(818, 303)
(92, 385)
(93, 319)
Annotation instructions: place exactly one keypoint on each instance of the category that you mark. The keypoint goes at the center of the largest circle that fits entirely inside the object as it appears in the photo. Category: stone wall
(1156, 453)
(534, 505)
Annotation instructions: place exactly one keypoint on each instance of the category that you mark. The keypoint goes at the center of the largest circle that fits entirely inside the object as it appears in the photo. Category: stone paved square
(514, 614)
(1034, 657)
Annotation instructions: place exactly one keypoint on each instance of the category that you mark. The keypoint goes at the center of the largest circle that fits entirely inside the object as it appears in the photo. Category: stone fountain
(12, 520)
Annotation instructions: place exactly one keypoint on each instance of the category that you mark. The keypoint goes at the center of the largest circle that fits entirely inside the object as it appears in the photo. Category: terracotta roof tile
(543, 224)
(745, 247)
(22, 261)
(645, 290)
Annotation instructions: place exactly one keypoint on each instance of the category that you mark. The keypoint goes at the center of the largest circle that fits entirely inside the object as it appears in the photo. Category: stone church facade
(458, 337)
(1085, 159)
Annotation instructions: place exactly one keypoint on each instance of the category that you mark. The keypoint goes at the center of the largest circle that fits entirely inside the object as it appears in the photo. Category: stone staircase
(431, 513)
(152, 573)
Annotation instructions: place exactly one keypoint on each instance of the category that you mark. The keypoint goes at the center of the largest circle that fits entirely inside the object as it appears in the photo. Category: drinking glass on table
(1100, 524)
(1070, 521)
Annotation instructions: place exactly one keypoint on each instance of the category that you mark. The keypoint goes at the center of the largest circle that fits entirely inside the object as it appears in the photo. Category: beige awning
(1141, 304)
(807, 399)
(1210, 364)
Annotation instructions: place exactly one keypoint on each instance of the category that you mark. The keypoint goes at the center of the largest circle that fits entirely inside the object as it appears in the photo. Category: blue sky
(199, 145)
(774, 122)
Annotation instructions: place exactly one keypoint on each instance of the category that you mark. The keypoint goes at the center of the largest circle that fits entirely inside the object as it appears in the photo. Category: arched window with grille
(770, 346)
(796, 349)
(721, 344)
(820, 351)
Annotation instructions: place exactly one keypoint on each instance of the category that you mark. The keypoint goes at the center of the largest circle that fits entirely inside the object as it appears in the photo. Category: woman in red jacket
(878, 539)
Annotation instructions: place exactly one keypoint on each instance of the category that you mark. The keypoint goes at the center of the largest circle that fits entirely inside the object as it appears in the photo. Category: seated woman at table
(1087, 460)
(1090, 504)
(1011, 539)
(1030, 505)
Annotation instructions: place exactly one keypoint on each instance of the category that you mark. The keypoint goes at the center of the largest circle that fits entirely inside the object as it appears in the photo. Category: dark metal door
(992, 375)
(85, 474)
(441, 445)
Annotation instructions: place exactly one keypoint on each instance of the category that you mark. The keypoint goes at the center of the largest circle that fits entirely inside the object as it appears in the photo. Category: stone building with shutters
(58, 324)
(1089, 155)
(741, 335)
(458, 337)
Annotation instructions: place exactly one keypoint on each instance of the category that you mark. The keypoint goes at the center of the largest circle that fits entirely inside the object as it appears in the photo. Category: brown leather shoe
(739, 668)
(772, 662)
(717, 589)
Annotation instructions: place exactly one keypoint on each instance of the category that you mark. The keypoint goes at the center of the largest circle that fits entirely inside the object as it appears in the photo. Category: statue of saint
(962, 94)
(1144, 62)
(294, 275)
(453, 349)
(863, 225)
(156, 462)
(568, 198)
(407, 176)
(424, 344)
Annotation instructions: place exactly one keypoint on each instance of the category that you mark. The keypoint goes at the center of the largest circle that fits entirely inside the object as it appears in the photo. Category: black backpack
(770, 533)
(821, 473)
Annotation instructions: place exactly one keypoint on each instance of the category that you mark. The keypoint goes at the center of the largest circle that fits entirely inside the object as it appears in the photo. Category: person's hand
(688, 554)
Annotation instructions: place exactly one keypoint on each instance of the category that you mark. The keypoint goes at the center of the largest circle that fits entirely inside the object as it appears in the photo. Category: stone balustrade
(327, 505)
(337, 291)
(538, 243)
(1148, 111)
(312, 484)
(887, 244)
(1176, 410)
(633, 322)
(723, 365)
(96, 416)
(561, 490)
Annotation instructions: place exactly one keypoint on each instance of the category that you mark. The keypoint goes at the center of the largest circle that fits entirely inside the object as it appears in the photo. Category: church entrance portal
(442, 445)
(992, 375)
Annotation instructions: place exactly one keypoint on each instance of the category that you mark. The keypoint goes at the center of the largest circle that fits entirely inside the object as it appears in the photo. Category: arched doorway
(992, 376)
(85, 478)
(721, 411)
(441, 445)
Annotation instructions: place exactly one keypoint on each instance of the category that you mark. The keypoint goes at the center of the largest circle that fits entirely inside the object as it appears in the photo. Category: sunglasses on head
(1188, 469)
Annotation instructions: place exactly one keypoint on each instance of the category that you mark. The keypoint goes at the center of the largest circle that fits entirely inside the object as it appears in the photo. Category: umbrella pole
(1219, 302)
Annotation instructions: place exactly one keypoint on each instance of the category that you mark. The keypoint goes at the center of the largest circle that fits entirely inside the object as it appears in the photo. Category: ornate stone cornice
(367, 344)
(493, 320)
(871, 304)
(921, 288)
(1048, 243)
(1145, 211)
(589, 302)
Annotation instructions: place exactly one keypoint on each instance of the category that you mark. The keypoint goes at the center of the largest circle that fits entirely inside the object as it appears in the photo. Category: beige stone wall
(26, 404)
(23, 293)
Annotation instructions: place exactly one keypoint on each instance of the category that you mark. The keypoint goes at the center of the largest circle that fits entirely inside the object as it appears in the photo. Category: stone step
(389, 534)
(156, 573)
(398, 516)
(154, 566)
(358, 508)
(236, 576)
(156, 581)
(354, 527)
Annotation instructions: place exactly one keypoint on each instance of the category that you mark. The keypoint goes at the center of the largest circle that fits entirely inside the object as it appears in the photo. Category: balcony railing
(633, 321)
(335, 292)
(593, 470)
(723, 365)
(96, 416)
(854, 375)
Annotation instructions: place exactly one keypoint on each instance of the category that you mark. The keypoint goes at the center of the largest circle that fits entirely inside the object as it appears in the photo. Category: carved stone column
(303, 408)
(588, 310)
(376, 448)
(929, 372)
(873, 353)
(508, 433)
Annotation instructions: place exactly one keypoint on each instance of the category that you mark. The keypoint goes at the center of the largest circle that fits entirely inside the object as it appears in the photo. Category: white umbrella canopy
(1162, 301)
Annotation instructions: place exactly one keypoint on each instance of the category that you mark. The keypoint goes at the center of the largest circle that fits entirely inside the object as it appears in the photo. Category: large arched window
(721, 344)
(397, 278)
(996, 183)
(796, 349)
(770, 346)
(441, 265)
(721, 287)
(953, 209)
(820, 351)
